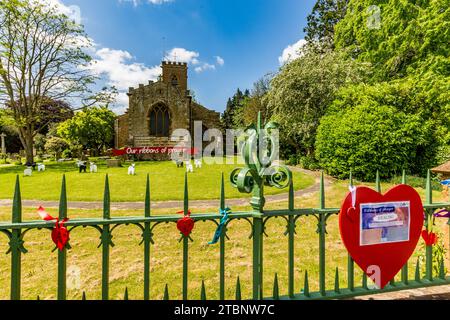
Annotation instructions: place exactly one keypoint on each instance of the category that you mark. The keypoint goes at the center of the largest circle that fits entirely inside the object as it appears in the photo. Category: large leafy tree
(411, 36)
(322, 21)
(51, 113)
(409, 49)
(301, 93)
(41, 58)
(92, 128)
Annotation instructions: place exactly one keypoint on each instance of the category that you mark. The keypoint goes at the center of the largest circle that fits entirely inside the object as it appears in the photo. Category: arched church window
(159, 121)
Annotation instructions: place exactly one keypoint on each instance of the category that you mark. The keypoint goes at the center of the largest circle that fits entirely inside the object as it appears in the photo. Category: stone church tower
(155, 110)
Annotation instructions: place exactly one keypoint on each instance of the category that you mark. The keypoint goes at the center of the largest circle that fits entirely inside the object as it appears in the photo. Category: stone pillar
(3, 136)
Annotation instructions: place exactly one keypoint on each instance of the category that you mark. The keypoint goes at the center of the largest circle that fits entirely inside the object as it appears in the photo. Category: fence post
(350, 262)
(106, 241)
(185, 241)
(222, 244)
(147, 242)
(428, 249)
(291, 234)
(257, 235)
(16, 243)
(405, 267)
(62, 254)
(322, 229)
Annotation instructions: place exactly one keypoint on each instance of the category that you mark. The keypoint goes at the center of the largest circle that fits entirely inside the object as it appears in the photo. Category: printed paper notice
(386, 222)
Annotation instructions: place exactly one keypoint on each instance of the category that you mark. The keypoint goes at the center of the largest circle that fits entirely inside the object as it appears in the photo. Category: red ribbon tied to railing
(429, 237)
(60, 234)
(186, 224)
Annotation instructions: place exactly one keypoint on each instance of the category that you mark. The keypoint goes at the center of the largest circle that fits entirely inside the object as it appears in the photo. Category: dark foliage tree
(321, 22)
(233, 105)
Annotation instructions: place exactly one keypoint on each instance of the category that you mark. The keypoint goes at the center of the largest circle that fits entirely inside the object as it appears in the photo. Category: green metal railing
(16, 230)
(250, 179)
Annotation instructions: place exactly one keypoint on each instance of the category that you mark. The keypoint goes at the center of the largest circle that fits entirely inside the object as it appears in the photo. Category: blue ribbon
(221, 225)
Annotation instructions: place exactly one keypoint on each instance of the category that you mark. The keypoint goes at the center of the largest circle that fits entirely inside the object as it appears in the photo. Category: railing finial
(238, 289)
(429, 190)
(186, 195)
(147, 209)
(378, 182)
(17, 203)
(258, 149)
(107, 200)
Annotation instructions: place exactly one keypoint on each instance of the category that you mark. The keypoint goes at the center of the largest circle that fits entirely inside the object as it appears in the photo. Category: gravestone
(113, 163)
(3, 136)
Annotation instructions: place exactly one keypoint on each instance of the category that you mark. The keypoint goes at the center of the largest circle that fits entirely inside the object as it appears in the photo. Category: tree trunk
(29, 150)
(29, 146)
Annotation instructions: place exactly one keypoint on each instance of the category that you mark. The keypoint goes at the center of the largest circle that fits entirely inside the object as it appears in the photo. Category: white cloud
(120, 69)
(220, 61)
(182, 55)
(292, 52)
(138, 2)
(205, 67)
(72, 11)
(122, 101)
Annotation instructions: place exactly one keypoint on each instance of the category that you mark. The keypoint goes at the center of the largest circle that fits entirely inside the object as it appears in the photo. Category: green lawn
(39, 265)
(167, 182)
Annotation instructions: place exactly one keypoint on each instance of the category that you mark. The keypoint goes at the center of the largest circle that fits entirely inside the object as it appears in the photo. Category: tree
(411, 57)
(233, 106)
(411, 36)
(321, 22)
(255, 102)
(370, 137)
(301, 93)
(52, 112)
(42, 57)
(12, 140)
(55, 146)
(92, 128)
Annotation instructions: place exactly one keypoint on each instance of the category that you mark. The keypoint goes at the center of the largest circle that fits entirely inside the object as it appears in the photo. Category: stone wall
(121, 131)
(209, 118)
(133, 128)
(177, 71)
(144, 98)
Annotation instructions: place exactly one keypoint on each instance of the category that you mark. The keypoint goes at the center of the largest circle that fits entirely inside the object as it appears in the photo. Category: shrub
(371, 137)
(308, 162)
(292, 160)
(55, 145)
(66, 154)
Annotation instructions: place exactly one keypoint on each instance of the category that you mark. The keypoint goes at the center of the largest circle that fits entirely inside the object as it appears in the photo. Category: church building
(157, 109)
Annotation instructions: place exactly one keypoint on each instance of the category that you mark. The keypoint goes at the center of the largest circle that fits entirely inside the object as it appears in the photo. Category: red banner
(152, 150)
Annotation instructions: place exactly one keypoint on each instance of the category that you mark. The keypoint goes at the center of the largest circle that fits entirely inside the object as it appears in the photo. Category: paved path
(430, 293)
(174, 204)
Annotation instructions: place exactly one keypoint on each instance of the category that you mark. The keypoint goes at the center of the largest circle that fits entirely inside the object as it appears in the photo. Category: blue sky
(227, 43)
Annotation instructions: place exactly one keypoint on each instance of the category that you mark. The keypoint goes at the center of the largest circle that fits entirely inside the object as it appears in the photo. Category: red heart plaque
(381, 232)
(185, 225)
